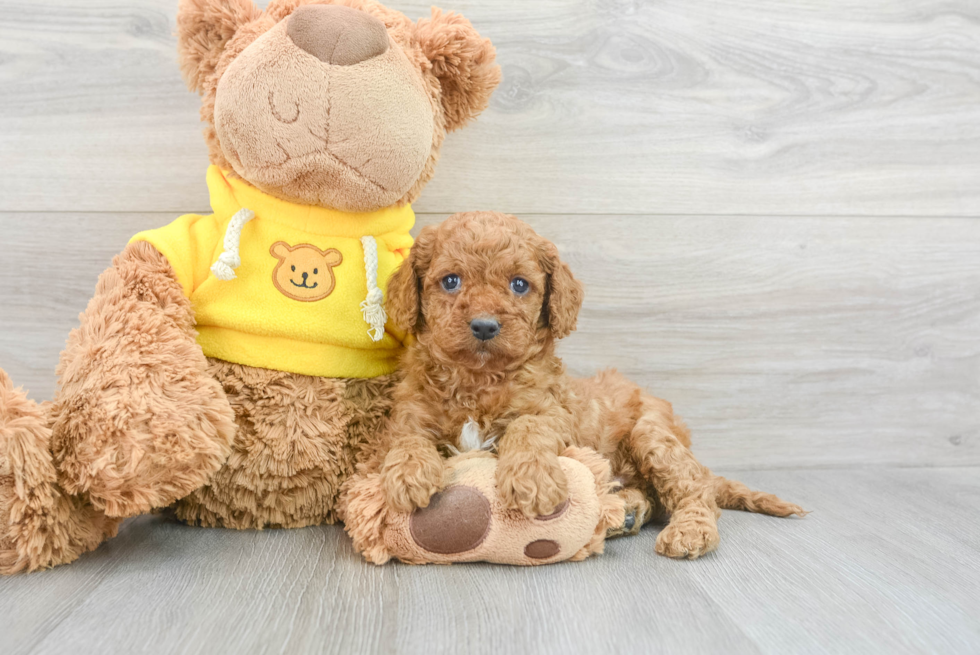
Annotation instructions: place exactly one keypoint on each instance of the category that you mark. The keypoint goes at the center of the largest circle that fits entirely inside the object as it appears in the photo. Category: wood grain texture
(839, 107)
(784, 342)
(887, 562)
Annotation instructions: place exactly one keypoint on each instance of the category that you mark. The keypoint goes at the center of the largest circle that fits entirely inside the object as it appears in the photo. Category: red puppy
(487, 298)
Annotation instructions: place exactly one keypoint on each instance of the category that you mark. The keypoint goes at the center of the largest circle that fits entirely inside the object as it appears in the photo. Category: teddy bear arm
(137, 421)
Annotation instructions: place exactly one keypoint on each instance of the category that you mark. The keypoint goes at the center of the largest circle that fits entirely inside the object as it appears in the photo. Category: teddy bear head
(335, 103)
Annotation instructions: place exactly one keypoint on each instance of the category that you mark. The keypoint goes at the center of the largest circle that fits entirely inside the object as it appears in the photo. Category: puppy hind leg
(639, 511)
(685, 487)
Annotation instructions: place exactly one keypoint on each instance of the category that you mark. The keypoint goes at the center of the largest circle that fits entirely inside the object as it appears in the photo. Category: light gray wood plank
(32, 606)
(804, 342)
(619, 106)
(202, 591)
(823, 341)
(887, 562)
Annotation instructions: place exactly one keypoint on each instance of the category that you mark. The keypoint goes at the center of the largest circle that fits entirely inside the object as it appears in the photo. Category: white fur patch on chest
(470, 438)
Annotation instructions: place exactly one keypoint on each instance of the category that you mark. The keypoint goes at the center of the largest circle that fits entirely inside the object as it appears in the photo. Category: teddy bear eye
(520, 286)
(315, 271)
(294, 268)
(451, 282)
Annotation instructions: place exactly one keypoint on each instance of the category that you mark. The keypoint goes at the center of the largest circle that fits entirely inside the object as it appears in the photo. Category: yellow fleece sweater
(300, 278)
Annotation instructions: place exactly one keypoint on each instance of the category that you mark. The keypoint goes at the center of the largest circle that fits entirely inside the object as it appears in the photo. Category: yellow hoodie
(288, 287)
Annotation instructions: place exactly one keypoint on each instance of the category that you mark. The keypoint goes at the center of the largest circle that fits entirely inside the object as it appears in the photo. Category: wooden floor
(886, 563)
(775, 208)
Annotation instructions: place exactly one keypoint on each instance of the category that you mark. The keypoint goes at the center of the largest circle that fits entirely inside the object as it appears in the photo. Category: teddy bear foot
(40, 525)
(467, 521)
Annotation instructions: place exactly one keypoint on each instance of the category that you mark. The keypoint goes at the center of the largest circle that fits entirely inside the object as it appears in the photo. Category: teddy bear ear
(279, 250)
(333, 257)
(204, 28)
(463, 61)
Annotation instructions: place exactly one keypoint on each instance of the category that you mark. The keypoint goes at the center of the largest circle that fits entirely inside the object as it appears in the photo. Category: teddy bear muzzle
(337, 35)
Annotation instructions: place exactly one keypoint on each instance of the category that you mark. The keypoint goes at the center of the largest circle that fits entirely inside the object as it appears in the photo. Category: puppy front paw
(687, 539)
(534, 484)
(410, 479)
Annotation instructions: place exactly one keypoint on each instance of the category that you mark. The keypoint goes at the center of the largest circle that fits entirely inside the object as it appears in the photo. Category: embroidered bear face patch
(304, 272)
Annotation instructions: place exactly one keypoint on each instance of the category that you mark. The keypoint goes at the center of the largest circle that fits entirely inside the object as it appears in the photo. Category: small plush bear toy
(232, 367)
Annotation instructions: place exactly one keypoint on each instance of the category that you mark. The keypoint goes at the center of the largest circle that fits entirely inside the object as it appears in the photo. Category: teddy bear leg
(138, 422)
(289, 456)
(40, 525)
(467, 522)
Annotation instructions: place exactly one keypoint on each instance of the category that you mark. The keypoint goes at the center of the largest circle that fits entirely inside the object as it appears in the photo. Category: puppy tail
(731, 494)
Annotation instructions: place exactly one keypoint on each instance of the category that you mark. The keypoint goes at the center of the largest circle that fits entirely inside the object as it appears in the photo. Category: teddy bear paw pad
(456, 520)
(542, 549)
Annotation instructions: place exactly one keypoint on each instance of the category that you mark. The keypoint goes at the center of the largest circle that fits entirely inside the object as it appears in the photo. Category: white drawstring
(373, 306)
(229, 260)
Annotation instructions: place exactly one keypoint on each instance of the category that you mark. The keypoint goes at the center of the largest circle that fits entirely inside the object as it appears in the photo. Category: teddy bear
(231, 369)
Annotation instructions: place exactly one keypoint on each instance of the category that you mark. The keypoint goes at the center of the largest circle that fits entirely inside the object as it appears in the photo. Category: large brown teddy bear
(232, 366)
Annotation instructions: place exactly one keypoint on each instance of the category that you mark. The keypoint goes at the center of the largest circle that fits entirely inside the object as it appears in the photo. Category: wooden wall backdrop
(773, 203)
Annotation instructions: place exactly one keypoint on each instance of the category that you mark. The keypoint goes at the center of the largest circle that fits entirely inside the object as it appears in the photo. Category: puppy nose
(485, 329)
(337, 35)
(305, 275)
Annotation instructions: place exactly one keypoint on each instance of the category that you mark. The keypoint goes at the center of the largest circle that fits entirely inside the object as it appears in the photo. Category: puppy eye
(520, 286)
(451, 282)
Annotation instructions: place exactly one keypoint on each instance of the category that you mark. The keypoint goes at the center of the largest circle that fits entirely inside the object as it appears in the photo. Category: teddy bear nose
(337, 35)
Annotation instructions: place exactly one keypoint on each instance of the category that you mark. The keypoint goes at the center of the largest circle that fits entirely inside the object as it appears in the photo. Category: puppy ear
(204, 28)
(563, 297)
(463, 61)
(403, 300)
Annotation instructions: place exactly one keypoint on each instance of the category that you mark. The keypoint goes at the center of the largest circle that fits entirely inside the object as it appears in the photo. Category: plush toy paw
(468, 521)
(24, 458)
(410, 478)
(688, 538)
(8, 548)
(534, 484)
(40, 526)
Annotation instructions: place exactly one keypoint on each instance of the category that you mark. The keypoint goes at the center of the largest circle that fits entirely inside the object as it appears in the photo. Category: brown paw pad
(456, 520)
(542, 549)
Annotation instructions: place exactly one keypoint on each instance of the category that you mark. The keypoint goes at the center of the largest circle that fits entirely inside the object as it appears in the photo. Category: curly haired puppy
(486, 299)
